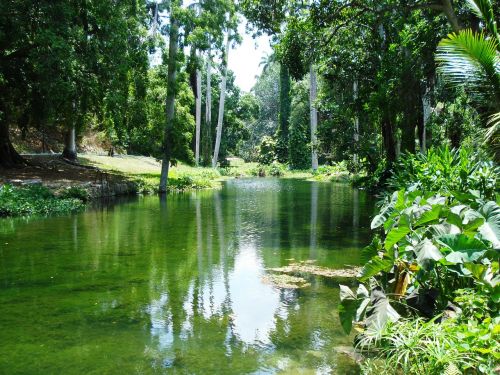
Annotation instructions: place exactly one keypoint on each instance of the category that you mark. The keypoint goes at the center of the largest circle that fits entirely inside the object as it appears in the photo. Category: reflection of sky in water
(254, 303)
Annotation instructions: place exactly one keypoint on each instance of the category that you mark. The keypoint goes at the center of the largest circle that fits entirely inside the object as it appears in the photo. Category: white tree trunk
(208, 104)
(426, 104)
(198, 116)
(314, 118)
(221, 105)
(69, 151)
(356, 122)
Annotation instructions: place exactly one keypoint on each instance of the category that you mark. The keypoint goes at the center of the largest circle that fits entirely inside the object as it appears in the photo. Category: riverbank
(50, 185)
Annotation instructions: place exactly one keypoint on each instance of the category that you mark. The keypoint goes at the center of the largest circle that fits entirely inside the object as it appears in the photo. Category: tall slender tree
(222, 98)
(173, 46)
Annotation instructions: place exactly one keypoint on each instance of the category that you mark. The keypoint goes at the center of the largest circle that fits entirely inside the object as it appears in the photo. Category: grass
(145, 171)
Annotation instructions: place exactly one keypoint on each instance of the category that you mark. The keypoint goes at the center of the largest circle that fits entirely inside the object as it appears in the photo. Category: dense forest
(350, 82)
(400, 96)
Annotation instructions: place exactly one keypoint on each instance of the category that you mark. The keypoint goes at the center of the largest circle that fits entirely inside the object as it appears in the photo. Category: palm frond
(493, 126)
(484, 10)
(469, 59)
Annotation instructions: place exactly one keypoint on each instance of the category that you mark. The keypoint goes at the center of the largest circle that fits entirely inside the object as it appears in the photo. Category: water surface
(154, 286)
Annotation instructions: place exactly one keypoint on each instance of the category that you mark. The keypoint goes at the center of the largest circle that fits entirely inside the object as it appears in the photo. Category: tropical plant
(446, 170)
(433, 245)
(472, 59)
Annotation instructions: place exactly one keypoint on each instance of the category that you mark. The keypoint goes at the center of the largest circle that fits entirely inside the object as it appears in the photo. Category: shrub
(433, 245)
(35, 200)
(76, 192)
(446, 170)
(267, 151)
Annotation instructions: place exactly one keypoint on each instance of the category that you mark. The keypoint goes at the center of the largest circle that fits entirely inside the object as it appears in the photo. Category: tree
(220, 117)
(171, 91)
(472, 59)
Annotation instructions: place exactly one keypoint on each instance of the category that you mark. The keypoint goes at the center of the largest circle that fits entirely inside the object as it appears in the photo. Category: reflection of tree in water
(181, 277)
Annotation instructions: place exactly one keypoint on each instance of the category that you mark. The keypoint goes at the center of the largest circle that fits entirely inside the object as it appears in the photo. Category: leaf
(428, 216)
(387, 209)
(397, 233)
(375, 266)
(490, 230)
(469, 58)
(349, 304)
(463, 248)
(380, 311)
(427, 253)
(371, 250)
(438, 230)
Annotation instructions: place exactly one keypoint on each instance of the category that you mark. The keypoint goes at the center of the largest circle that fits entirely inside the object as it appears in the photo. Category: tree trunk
(9, 158)
(69, 151)
(221, 105)
(388, 132)
(412, 104)
(207, 139)
(426, 114)
(198, 116)
(451, 15)
(170, 101)
(356, 123)
(313, 93)
(284, 115)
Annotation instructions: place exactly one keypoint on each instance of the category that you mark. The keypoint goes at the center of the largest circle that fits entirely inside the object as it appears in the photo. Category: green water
(152, 286)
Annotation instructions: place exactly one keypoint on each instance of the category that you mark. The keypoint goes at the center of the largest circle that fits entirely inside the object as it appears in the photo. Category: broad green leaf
(427, 253)
(348, 307)
(396, 199)
(371, 250)
(375, 266)
(380, 311)
(462, 248)
(454, 219)
(397, 233)
(490, 230)
(477, 270)
(439, 230)
(363, 295)
(428, 216)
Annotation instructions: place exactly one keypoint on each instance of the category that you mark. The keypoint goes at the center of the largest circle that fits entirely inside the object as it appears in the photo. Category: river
(176, 285)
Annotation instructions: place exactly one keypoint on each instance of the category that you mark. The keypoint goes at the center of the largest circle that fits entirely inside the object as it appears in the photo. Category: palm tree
(472, 59)
(266, 61)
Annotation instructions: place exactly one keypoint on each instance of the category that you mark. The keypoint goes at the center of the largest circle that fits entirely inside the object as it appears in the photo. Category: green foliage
(446, 170)
(451, 347)
(471, 59)
(299, 136)
(267, 151)
(274, 169)
(76, 192)
(36, 200)
(453, 121)
(437, 248)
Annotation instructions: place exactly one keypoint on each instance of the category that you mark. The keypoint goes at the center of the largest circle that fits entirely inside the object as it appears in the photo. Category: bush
(438, 256)
(76, 192)
(445, 170)
(267, 151)
(275, 169)
(35, 200)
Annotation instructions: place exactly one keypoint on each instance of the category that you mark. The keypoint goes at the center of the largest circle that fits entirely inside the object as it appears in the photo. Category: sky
(244, 60)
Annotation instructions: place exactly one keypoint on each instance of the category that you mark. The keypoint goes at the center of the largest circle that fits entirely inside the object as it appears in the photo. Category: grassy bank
(145, 171)
(51, 186)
